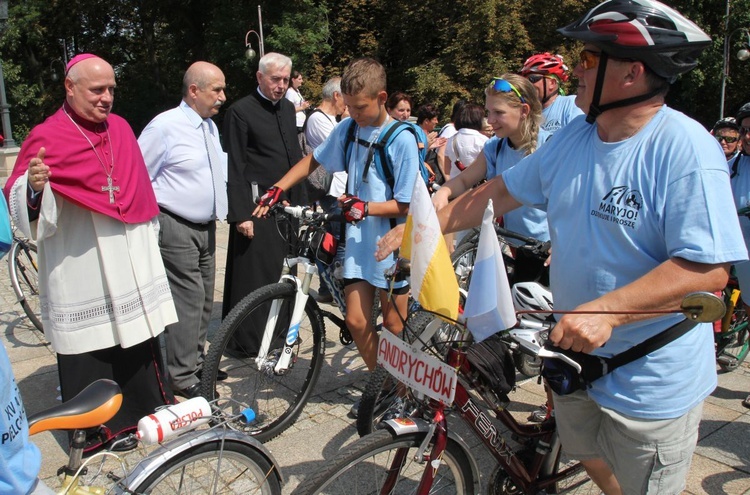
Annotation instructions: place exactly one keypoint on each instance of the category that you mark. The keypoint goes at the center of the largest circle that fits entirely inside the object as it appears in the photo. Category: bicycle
(512, 243)
(420, 455)
(197, 461)
(733, 336)
(732, 341)
(277, 379)
(24, 278)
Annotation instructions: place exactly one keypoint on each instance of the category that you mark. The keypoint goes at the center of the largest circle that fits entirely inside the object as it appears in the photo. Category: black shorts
(400, 291)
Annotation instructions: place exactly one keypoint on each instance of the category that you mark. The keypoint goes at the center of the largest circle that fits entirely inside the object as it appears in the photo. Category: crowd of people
(632, 194)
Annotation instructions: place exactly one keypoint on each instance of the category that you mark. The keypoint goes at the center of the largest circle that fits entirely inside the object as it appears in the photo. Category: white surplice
(102, 282)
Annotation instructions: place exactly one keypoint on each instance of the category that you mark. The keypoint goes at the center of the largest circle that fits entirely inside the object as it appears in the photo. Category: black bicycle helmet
(727, 123)
(743, 113)
(645, 30)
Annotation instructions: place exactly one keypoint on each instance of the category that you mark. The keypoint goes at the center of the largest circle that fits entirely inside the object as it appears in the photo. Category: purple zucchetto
(79, 58)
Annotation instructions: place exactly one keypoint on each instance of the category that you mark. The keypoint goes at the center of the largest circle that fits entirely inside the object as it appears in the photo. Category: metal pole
(725, 68)
(4, 107)
(260, 23)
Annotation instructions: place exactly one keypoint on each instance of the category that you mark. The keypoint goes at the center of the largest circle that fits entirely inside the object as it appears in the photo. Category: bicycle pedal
(729, 362)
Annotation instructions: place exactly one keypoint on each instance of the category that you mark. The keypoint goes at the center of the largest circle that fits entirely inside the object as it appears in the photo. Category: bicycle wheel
(381, 388)
(233, 467)
(364, 466)
(735, 344)
(277, 399)
(24, 277)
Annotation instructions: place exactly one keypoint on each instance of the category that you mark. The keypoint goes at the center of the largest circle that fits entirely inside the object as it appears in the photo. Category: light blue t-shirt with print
(562, 111)
(20, 459)
(500, 156)
(362, 238)
(617, 211)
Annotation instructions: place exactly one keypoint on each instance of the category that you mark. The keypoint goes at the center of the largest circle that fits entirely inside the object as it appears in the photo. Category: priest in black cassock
(260, 135)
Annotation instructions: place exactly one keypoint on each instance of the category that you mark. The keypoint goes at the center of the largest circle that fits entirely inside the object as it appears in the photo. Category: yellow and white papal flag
(433, 281)
(489, 306)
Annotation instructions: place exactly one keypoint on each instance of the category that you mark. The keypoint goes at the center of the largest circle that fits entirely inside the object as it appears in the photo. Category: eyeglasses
(535, 78)
(744, 130)
(589, 59)
(503, 86)
(728, 139)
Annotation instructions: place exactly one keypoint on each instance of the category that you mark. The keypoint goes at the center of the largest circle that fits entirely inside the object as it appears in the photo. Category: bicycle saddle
(92, 407)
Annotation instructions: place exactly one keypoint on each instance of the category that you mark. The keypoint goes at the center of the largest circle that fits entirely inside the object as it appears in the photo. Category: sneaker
(539, 415)
(746, 402)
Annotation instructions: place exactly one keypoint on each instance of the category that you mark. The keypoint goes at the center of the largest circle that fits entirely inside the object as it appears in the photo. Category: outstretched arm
(296, 174)
(461, 214)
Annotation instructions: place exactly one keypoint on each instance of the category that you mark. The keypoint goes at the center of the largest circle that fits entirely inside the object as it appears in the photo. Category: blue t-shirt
(617, 211)
(362, 238)
(562, 111)
(741, 190)
(531, 222)
(20, 459)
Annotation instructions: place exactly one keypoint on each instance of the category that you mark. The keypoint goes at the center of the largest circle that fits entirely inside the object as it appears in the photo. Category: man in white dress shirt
(186, 164)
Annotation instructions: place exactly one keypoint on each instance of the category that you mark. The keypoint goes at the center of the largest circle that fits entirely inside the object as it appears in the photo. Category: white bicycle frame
(300, 300)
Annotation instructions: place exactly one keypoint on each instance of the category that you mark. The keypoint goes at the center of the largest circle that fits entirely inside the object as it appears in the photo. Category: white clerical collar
(266, 98)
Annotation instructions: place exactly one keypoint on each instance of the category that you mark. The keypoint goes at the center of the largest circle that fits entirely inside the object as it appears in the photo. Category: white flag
(489, 306)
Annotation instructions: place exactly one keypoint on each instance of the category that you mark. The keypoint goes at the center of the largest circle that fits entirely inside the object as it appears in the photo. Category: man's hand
(38, 173)
(390, 242)
(353, 208)
(246, 228)
(270, 198)
(582, 332)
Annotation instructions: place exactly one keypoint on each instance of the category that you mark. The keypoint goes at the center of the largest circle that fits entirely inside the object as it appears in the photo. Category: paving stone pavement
(721, 464)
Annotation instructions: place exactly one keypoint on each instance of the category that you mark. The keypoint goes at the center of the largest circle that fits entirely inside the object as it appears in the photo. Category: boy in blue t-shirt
(371, 206)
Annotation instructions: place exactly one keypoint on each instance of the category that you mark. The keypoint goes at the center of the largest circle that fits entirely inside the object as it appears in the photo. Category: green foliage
(435, 50)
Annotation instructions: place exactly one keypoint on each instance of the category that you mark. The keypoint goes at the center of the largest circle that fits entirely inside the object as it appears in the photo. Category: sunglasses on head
(728, 139)
(503, 86)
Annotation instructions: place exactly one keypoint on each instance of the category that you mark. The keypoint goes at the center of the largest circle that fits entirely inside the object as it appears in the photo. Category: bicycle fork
(300, 300)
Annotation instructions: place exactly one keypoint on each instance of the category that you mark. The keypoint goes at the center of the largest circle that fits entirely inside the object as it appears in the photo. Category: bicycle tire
(24, 278)
(380, 389)
(363, 464)
(732, 353)
(242, 469)
(277, 399)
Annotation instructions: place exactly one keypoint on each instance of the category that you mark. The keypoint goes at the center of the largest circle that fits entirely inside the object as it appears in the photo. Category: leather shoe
(188, 392)
(220, 375)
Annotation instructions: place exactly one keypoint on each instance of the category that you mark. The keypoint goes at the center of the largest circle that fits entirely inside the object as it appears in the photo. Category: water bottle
(168, 422)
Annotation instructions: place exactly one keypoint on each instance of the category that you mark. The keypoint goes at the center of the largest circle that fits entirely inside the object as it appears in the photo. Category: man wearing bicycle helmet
(636, 196)
(743, 121)
(547, 72)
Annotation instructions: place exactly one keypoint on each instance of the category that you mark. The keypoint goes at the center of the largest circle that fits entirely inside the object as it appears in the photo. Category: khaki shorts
(646, 456)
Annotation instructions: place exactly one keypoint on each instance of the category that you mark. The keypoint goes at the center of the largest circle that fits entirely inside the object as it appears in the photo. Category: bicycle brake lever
(529, 341)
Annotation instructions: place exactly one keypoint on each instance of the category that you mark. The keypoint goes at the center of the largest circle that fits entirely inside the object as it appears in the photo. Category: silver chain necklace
(109, 188)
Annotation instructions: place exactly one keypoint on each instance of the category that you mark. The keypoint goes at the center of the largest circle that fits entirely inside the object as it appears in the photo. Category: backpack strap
(351, 136)
(307, 119)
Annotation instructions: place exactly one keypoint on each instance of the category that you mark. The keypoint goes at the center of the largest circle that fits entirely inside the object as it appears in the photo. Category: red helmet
(646, 30)
(545, 64)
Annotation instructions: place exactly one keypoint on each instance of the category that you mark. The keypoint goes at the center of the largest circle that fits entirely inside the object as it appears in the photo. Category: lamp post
(250, 53)
(4, 107)
(742, 55)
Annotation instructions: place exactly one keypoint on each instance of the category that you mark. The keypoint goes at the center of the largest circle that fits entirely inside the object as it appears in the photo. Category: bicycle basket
(494, 362)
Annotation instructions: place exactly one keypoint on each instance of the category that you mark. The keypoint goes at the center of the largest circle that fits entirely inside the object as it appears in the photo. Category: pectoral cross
(111, 190)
